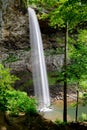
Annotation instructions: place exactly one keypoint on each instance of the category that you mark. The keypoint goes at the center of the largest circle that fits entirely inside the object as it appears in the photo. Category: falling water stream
(38, 63)
(40, 75)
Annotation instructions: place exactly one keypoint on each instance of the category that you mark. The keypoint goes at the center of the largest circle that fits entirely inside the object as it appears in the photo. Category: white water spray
(38, 63)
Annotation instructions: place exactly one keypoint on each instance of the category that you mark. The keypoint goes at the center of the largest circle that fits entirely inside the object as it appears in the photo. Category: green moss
(54, 77)
(26, 85)
(10, 58)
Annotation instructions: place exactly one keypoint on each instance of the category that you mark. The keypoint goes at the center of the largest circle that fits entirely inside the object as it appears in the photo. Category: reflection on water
(57, 112)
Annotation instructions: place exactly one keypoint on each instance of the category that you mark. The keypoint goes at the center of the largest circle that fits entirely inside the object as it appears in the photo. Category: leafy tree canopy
(58, 12)
(78, 55)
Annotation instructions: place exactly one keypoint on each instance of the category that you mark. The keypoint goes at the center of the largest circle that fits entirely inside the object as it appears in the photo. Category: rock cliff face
(15, 46)
(14, 41)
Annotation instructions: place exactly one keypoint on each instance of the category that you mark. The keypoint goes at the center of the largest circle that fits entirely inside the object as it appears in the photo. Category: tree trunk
(65, 75)
(76, 118)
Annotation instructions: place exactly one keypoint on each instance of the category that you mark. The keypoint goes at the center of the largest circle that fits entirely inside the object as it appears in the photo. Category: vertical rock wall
(14, 39)
(4, 5)
(14, 31)
(0, 20)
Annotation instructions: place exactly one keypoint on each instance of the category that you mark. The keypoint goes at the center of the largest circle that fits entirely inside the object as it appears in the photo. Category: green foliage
(84, 98)
(6, 79)
(3, 101)
(77, 70)
(59, 122)
(42, 3)
(52, 80)
(18, 102)
(12, 100)
(6, 82)
(58, 12)
(10, 58)
(82, 37)
(55, 77)
(26, 85)
(83, 117)
(54, 52)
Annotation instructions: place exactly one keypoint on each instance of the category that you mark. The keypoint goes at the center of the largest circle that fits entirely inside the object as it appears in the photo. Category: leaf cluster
(58, 12)
(18, 102)
(11, 100)
(77, 69)
(83, 117)
(71, 11)
(6, 79)
(6, 82)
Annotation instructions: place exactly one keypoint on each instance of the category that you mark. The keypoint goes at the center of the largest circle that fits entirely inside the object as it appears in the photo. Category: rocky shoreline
(56, 93)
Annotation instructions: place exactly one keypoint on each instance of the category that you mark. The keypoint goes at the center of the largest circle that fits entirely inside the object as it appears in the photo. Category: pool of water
(57, 111)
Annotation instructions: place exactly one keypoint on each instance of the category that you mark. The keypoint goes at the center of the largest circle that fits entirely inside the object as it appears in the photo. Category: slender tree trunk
(65, 75)
(77, 102)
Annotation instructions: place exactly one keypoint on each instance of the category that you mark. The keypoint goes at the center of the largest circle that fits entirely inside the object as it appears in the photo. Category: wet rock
(55, 62)
(20, 60)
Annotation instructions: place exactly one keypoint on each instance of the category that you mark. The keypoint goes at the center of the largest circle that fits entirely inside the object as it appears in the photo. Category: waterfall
(38, 63)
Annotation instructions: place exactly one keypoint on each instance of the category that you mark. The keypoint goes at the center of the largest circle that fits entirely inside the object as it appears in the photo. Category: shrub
(6, 81)
(11, 100)
(83, 117)
(59, 122)
(19, 102)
